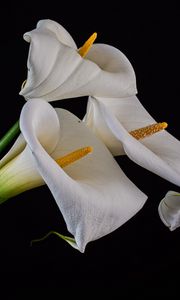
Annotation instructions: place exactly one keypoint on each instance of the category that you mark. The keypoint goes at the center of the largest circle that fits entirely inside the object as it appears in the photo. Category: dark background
(142, 256)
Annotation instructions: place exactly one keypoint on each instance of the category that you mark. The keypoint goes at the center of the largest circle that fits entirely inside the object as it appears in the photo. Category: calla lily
(112, 120)
(93, 194)
(169, 210)
(58, 70)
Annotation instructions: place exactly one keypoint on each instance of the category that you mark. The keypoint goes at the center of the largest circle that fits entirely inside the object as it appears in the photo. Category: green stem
(9, 136)
(71, 241)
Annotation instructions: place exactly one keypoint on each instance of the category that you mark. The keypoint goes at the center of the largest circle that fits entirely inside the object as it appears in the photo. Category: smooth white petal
(169, 210)
(159, 153)
(18, 172)
(57, 71)
(42, 120)
(61, 33)
(117, 77)
(44, 50)
(128, 111)
(93, 194)
(96, 121)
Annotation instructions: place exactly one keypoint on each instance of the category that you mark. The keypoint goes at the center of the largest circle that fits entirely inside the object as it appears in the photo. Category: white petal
(51, 62)
(93, 194)
(159, 153)
(117, 77)
(96, 121)
(19, 172)
(161, 161)
(44, 48)
(61, 33)
(128, 111)
(42, 120)
(57, 71)
(169, 210)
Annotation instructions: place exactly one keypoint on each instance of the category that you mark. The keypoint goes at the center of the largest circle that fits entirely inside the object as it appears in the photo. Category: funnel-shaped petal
(93, 194)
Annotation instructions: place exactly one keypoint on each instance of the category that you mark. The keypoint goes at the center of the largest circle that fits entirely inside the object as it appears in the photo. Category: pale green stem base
(9, 136)
(17, 176)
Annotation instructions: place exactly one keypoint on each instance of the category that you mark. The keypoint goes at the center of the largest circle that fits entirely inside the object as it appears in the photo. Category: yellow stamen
(23, 84)
(87, 45)
(73, 156)
(148, 130)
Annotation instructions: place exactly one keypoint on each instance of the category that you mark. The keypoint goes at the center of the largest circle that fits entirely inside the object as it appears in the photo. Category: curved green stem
(71, 241)
(8, 137)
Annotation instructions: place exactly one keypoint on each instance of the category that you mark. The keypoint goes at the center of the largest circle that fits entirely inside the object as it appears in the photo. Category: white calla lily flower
(57, 70)
(113, 119)
(169, 210)
(93, 194)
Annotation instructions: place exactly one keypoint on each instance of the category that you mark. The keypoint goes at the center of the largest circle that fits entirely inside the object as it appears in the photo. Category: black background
(143, 255)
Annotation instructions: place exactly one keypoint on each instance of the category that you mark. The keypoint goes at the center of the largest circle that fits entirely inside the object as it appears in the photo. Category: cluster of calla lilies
(75, 158)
